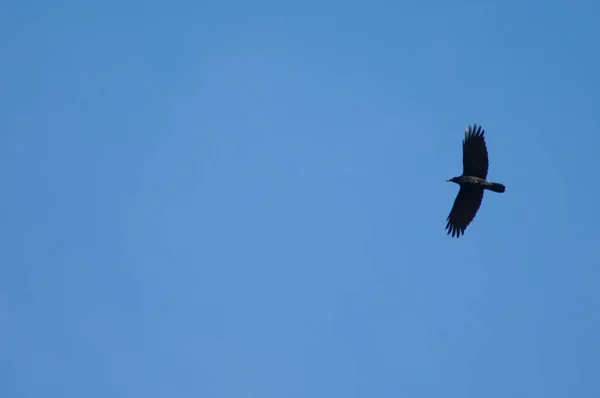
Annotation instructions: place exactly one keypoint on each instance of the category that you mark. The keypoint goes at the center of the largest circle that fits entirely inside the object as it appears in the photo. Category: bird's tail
(497, 187)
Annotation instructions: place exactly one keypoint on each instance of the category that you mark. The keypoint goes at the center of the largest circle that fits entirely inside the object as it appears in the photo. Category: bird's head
(453, 179)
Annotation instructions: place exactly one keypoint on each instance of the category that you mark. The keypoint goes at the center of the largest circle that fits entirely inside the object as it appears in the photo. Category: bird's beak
(447, 180)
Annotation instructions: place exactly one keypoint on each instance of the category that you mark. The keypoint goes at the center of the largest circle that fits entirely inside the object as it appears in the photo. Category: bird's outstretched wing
(463, 211)
(475, 155)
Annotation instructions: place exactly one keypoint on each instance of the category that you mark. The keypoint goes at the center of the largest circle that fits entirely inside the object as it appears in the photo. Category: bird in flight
(472, 182)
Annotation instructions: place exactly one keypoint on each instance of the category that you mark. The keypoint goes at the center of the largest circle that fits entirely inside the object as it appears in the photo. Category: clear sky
(248, 199)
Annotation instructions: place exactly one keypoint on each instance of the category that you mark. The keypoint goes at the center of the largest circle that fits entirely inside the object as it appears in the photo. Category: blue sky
(248, 199)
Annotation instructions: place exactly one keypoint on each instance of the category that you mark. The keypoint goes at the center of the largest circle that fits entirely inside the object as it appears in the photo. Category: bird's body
(472, 182)
(478, 182)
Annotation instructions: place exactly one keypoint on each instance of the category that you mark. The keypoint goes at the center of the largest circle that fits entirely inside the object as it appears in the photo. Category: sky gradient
(248, 199)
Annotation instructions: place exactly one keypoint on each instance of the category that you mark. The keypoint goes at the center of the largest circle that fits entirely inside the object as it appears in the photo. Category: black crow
(472, 182)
